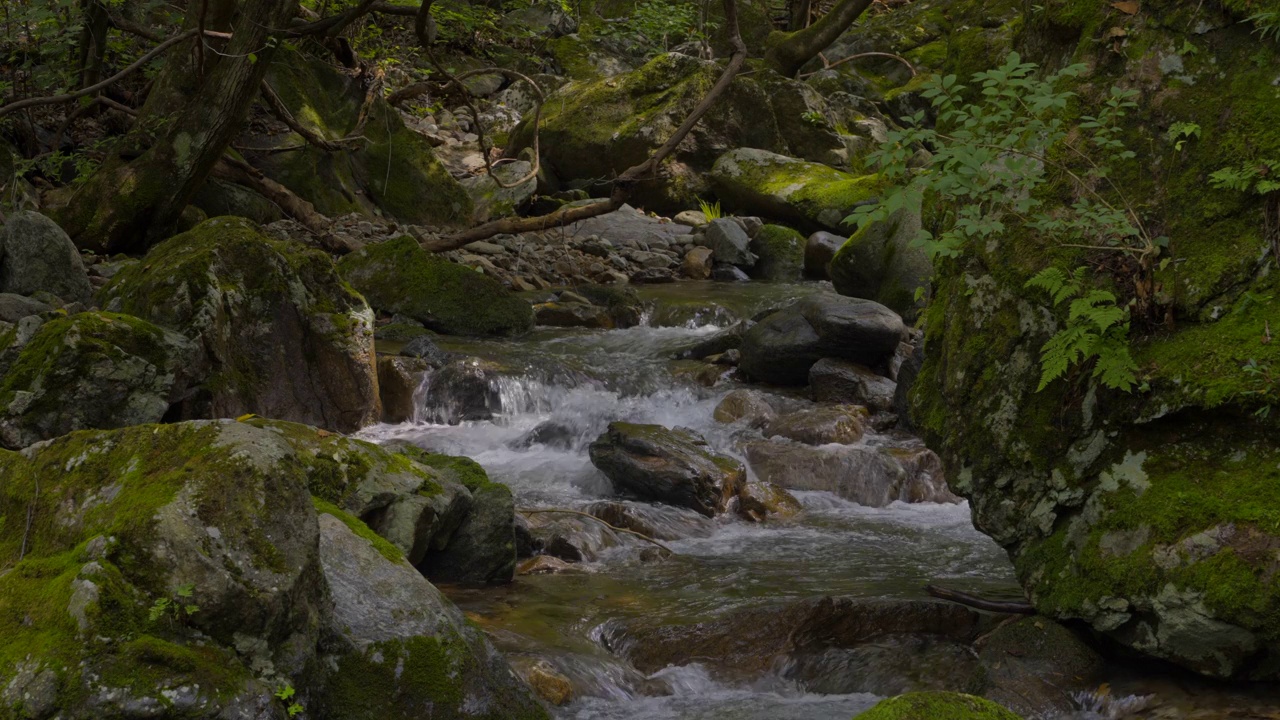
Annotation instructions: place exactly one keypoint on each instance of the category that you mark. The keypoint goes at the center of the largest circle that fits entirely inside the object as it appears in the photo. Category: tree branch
(1016, 607)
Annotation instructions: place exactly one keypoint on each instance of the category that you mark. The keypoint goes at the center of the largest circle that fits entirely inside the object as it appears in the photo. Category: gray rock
(697, 263)
(782, 347)
(841, 381)
(465, 389)
(728, 273)
(494, 201)
(398, 381)
(730, 243)
(839, 424)
(482, 551)
(94, 370)
(1033, 665)
(820, 248)
(35, 254)
(867, 476)
(748, 406)
(675, 467)
(423, 347)
(572, 314)
(881, 262)
(908, 371)
(15, 307)
(690, 218)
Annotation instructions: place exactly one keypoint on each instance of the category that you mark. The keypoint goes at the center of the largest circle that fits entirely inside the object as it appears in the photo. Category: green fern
(1267, 24)
(1097, 329)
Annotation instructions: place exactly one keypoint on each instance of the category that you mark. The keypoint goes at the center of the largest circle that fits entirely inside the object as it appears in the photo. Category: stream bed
(580, 380)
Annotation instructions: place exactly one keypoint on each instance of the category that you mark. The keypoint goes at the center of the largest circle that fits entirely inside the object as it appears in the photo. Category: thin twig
(31, 516)
(828, 65)
(640, 535)
(1013, 607)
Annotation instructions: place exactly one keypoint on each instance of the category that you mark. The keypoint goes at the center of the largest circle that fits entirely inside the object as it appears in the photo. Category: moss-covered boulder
(37, 256)
(879, 262)
(399, 277)
(596, 129)
(1151, 516)
(389, 168)
(190, 570)
(283, 336)
(779, 254)
(937, 706)
(808, 195)
(93, 370)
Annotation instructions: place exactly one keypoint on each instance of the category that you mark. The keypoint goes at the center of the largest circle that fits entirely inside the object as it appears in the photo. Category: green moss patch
(937, 706)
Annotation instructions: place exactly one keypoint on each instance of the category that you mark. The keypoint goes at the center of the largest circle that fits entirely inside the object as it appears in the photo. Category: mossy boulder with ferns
(1151, 515)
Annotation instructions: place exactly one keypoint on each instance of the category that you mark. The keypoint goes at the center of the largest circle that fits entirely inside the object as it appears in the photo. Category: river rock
(907, 373)
(759, 500)
(723, 272)
(482, 551)
(675, 467)
(749, 406)
(424, 348)
(282, 335)
(781, 348)
(15, 307)
(867, 476)
(661, 522)
(808, 195)
(572, 314)
(398, 381)
(744, 643)
(930, 705)
(729, 243)
(463, 390)
(691, 218)
(93, 370)
(490, 199)
(36, 255)
(881, 262)
(840, 424)
(1034, 665)
(841, 381)
(398, 276)
(820, 248)
(697, 263)
(780, 253)
(728, 339)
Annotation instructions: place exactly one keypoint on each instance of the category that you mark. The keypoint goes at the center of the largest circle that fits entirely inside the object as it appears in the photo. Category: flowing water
(580, 380)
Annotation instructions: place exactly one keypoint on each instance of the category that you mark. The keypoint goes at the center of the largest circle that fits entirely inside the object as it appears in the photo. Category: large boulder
(93, 370)
(840, 381)
(654, 463)
(1149, 516)
(399, 277)
(171, 566)
(881, 262)
(389, 169)
(781, 348)
(14, 307)
(729, 243)
(807, 195)
(482, 551)
(282, 335)
(37, 256)
(493, 200)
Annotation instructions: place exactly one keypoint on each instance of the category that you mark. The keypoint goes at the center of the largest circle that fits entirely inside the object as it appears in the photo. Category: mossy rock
(780, 254)
(593, 129)
(164, 565)
(399, 277)
(1149, 516)
(808, 195)
(393, 171)
(93, 370)
(282, 335)
(937, 706)
(880, 262)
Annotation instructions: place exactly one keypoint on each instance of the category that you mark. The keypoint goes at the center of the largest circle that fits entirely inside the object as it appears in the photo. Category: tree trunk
(93, 42)
(788, 52)
(799, 11)
(135, 198)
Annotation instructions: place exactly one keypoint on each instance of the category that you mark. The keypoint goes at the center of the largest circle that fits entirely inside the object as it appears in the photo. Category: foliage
(179, 607)
(990, 157)
(1097, 328)
(1260, 177)
(657, 25)
(286, 695)
(1267, 24)
(1180, 132)
(711, 210)
(1266, 383)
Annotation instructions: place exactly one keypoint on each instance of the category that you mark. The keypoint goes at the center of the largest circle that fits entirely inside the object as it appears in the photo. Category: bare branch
(1016, 607)
(828, 65)
(241, 172)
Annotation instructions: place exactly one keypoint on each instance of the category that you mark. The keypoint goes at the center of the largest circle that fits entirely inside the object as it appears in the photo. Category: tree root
(1011, 607)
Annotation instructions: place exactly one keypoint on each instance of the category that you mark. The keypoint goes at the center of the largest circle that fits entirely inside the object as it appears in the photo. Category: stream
(580, 380)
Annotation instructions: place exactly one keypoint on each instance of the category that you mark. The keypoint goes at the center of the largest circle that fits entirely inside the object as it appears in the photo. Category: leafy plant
(990, 156)
(711, 210)
(1266, 383)
(1266, 24)
(659, 24)
(1097, 329)
(1180, 132)
(814, 118)
(180, 607)
(1260, 177)
(286, 695)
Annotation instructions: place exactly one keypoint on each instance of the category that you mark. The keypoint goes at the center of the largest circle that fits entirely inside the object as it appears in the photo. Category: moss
(398, 276)
(811, 194)
(384, 548)
(462, 470)
(937, 706)
(780, 252)
(400, 332)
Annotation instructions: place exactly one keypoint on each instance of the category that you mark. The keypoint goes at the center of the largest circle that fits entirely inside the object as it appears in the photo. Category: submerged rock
(398, 276)
(93, 371)
(37, 256)
(675, 467)
(281, 334)
(781, 348)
